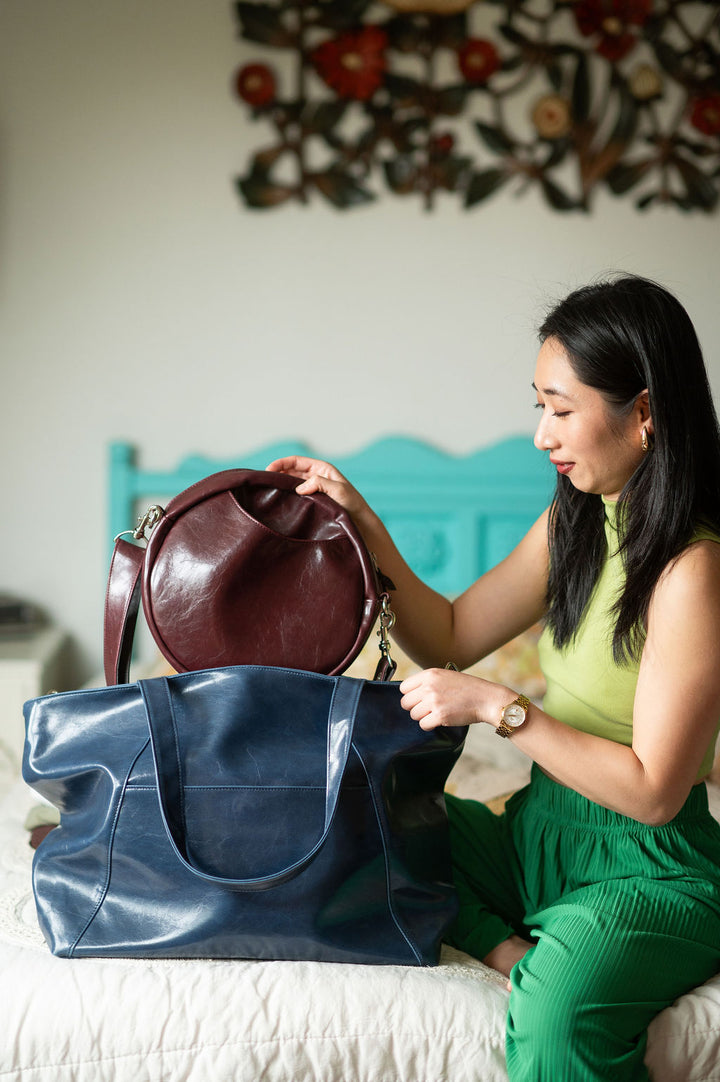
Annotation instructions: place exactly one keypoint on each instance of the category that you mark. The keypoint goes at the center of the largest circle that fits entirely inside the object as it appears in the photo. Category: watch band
(503, 729)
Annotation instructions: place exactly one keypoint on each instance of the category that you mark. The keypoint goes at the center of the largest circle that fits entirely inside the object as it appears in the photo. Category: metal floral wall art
(463, 99)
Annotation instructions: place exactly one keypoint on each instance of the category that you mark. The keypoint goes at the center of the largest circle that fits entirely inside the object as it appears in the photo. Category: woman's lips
(562, 467)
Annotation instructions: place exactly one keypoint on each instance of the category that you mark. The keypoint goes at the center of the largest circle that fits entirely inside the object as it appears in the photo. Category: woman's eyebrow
(557, 392)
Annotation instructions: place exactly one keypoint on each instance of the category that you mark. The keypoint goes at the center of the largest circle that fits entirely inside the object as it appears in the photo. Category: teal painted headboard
(451, 516)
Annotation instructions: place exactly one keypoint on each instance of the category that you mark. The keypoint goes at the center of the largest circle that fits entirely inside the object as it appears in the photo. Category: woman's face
(597, 451)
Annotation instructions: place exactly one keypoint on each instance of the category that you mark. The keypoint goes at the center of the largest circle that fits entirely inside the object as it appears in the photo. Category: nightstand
(30, 665)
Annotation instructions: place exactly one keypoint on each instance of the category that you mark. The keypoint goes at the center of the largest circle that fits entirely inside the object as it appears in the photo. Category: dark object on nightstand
(18, 616)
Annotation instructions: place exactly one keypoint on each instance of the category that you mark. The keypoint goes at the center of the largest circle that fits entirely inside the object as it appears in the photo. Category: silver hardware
(387, 623)
(147, 522)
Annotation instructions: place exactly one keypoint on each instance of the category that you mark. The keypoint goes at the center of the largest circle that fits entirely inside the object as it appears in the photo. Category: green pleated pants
(625, 918)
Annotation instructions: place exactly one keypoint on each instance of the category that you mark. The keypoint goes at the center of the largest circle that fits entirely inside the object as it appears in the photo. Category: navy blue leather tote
(242, 812)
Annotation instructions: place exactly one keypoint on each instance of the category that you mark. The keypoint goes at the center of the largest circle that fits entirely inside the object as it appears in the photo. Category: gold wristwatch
(513, 716)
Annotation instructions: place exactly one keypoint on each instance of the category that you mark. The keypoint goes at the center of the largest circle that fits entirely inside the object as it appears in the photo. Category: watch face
(513, 715)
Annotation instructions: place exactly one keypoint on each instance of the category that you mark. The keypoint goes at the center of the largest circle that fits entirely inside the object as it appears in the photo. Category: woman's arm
(677, 703)
(431, 629)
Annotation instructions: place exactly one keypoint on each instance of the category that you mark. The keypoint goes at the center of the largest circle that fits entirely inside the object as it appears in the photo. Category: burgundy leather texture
(242, 570)
(122, 602)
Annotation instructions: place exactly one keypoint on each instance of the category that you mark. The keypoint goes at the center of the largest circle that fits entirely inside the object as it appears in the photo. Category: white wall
(140, 300)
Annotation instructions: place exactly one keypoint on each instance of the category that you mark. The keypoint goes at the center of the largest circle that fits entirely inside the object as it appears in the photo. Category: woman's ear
(642, 408)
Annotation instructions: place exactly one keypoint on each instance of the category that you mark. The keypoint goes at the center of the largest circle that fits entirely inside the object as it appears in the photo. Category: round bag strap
(122, 602)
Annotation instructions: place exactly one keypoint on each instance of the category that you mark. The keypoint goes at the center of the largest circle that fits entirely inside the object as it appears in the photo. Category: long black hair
(621, 337)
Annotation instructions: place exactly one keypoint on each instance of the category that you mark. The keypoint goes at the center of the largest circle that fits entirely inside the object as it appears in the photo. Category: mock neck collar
(610, 507)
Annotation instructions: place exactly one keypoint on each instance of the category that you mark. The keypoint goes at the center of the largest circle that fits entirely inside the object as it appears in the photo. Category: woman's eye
(557, 413)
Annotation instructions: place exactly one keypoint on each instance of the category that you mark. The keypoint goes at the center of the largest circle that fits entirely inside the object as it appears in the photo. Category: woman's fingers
(443, 697)
(300, 466)
(422, 699)
(317, 482)
(315, 475)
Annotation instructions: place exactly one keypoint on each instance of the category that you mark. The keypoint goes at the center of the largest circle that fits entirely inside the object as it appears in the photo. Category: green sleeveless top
(586, 689)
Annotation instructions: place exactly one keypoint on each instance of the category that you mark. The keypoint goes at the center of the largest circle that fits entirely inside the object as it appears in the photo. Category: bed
(235, 1021)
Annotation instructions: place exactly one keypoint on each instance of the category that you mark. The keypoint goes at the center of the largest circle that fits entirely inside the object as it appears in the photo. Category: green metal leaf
(400, 174)
(494, 138)
(450, 172)
(405, 34)
(340, 16)
(555, 75)
(451, 31)
(556, 197)
(701, 190)
(265, 159)
(483, 184)
(626, 175)
(340, 189)
(450, 101)
(670, 60)
(511, 34)
(260, 193)
(627, 118)
(581, 91)
(322, 116)
(559, 149)
(646, 200)
(264, 23)
(406, 90)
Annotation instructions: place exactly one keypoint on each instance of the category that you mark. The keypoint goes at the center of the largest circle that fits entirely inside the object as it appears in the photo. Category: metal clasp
(387, 623)
(145, 522)
(148, 521)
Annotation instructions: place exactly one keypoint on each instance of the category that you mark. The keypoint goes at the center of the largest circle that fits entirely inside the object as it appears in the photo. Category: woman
(598, 890)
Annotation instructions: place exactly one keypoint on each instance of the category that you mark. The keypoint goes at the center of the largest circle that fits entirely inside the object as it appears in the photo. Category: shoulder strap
(122, 602)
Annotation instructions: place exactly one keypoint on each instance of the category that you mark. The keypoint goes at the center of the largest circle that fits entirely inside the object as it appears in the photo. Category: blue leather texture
(242, 812)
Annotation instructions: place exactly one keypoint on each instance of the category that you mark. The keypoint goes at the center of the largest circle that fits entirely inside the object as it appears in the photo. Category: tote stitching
(111, 840)
(391, 907)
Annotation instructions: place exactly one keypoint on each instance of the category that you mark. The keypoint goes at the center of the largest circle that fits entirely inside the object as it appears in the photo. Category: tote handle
(168, 772)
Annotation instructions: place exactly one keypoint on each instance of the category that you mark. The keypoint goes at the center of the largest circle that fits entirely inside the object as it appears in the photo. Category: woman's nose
(544, 438)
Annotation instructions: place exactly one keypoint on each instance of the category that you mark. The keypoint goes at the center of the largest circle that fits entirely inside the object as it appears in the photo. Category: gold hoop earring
(645, 441)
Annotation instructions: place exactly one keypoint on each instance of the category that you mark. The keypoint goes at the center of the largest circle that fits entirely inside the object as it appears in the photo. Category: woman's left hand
(436, 697)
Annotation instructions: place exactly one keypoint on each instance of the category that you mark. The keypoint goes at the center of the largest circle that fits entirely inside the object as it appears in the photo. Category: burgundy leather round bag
(239, 569)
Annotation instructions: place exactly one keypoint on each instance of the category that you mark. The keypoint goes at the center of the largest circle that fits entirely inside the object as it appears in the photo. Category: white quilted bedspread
(233, 1021)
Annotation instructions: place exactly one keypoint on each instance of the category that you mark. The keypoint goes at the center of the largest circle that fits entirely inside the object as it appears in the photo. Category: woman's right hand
(319, 476)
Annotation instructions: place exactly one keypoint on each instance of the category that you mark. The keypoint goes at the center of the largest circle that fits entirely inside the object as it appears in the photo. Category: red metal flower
(441, 145)
(613, 20)
(705, 115)
(478, 59)
(255, 84)
(353, 64)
